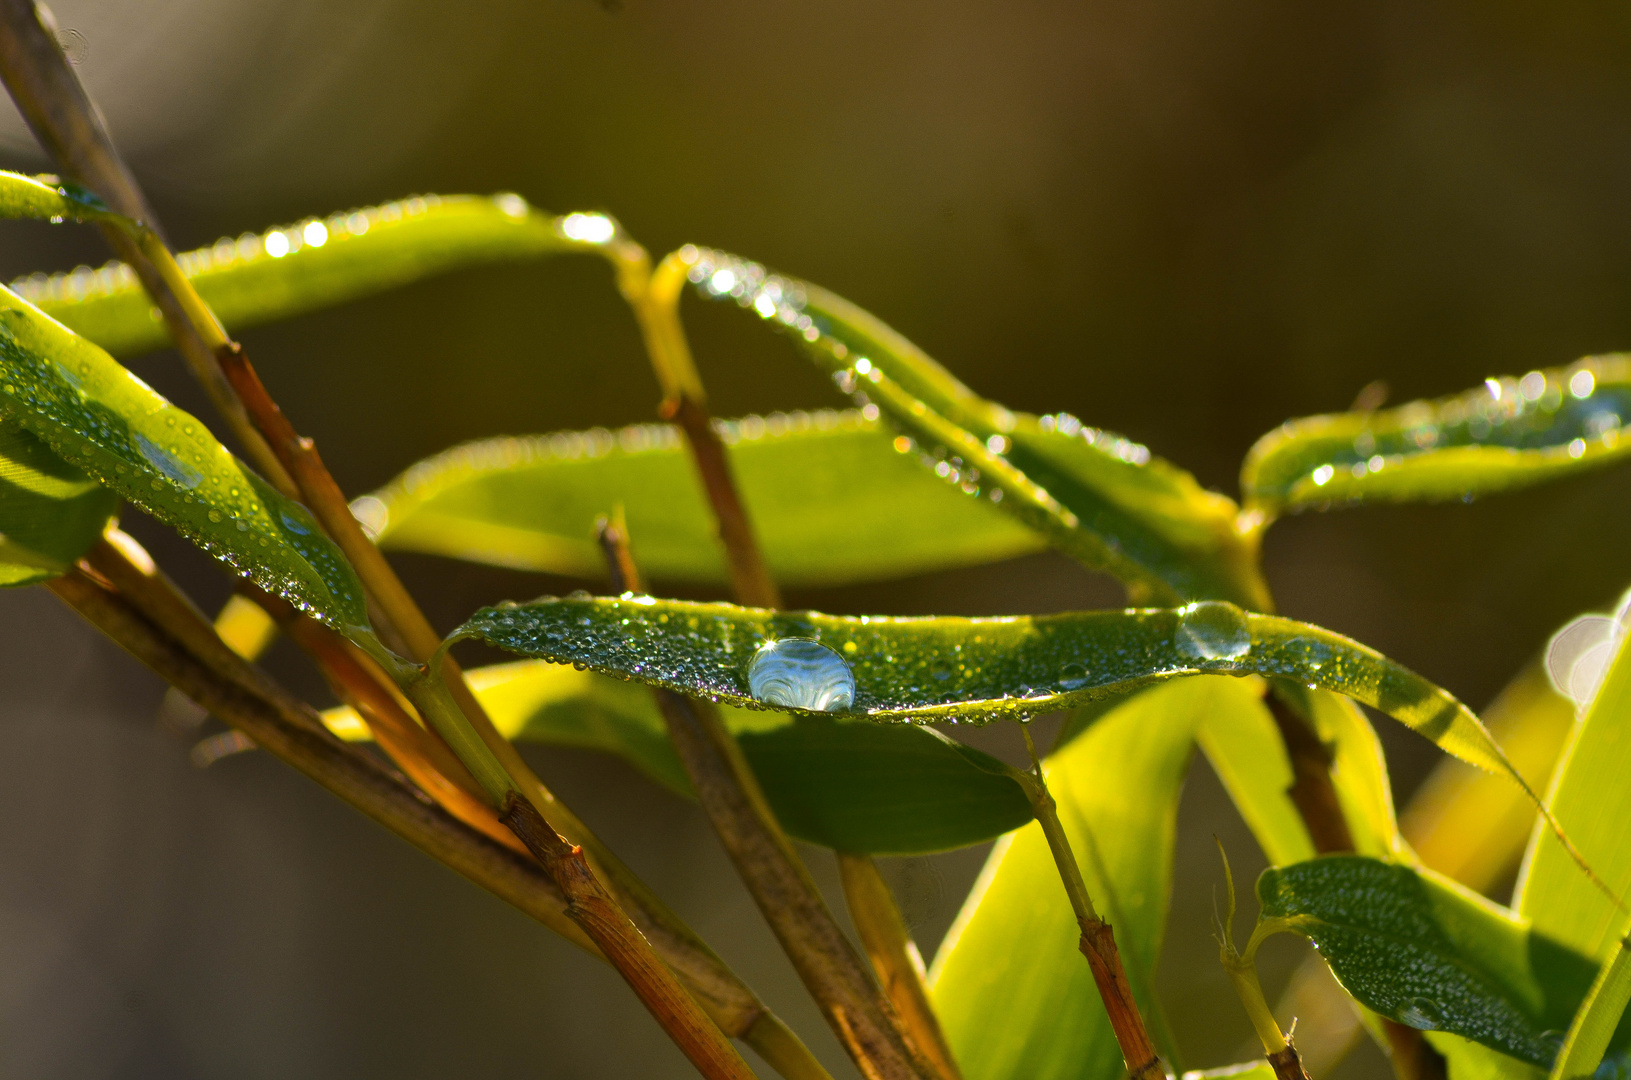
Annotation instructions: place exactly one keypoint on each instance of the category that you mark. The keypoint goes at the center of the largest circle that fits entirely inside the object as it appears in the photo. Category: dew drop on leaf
(1421, 1013)
(802, 674)
(1213, 630)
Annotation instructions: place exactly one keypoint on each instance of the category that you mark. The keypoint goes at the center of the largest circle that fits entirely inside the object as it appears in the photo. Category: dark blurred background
(1184, 221)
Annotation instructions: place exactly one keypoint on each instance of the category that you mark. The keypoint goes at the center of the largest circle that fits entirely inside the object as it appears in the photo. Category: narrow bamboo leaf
(1598, 1019)
(1099, 497)
(99, 418)
(831, 499)
(945, 668)
(45, 198)
(1244, 748)
(882, 790)
(1592, 801)
(1417, 947)
(1014, 995)
(316, 263)
(1509, 433)
(51, 513)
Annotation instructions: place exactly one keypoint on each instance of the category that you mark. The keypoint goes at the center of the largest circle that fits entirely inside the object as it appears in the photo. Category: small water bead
(1213, 630)
(802, 674)
(1421, 1013)
(168, 464)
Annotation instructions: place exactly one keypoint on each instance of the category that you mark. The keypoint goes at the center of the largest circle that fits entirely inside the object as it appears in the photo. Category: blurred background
(1185, 221)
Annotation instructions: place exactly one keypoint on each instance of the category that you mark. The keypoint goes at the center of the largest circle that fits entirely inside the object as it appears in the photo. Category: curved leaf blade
(1419, 948)
(1014, 995)
(1101, 498)
(1509, 433)
(46, 198)
(98, 417)
(879, 790)
(51, 513)
(951, 668)
(313, 264)
(832, 502)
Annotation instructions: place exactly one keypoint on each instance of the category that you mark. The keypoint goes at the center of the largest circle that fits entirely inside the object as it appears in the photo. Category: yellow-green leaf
(51, 513)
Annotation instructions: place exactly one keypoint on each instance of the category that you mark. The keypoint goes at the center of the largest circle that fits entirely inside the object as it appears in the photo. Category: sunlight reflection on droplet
(1582, 383)
(588, 228)
(315, 233)
(277, 244)
(723, 281)
(1322, 475)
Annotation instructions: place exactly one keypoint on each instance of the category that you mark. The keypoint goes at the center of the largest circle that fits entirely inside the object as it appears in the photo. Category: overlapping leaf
(1509, 433)
(942, 667)
(101, 419)
(1095, 495)
(1014, 995)
(884, 790)
(316, 263)
(831, 498)
(1419, 948)
(51, 513)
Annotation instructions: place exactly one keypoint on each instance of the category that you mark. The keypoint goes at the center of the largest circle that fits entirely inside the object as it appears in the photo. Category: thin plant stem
(859, 1013)
(1098, 942)
(1242, 970)
(894, 957)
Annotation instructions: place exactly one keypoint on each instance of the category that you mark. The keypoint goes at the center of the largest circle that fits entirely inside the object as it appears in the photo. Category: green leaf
(1245, 750)
(832, 502)
(45, 198)
(1015, 997)
(1096, 496)
(1509, 433)
(1246, 1070)
(1415, 946)
(883, 790)
(1592, 802)
(100, 418)
(50, 512)
(325, 261)
(945, 668)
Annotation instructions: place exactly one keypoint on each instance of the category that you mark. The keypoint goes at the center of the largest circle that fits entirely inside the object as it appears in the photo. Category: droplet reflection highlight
(801, 674)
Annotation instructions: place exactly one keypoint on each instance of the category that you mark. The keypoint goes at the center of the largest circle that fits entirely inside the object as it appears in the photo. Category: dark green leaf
(934, 668)
(832, 502)
(1099, 497)
(884, 790)
(1014, 995)
(1419, 948)
(323, 262)
(1507, 434)
(99, 418)
(50, 512)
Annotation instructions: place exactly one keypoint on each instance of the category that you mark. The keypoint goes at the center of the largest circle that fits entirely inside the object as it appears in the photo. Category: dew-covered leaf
(878, 789)
(1417, 947)
(315, 263)
(101, 419)
(1095, 495)
(950, 668)
(832, 502)
(1592, 801)
(1506, 434)
(51, 513)
(1015, 997)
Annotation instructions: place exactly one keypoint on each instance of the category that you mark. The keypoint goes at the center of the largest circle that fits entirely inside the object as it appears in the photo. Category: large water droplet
(803, 674)
(1421, 1013)
(168, 464)
(1213, 630)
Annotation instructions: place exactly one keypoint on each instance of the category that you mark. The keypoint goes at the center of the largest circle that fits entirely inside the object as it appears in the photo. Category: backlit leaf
(101, 419)
(1507, 434)
(1417, 947)
(314, 264)
(51, 513)
(832, 502)
(1095, 495)
(878, 789)
(1015, 997)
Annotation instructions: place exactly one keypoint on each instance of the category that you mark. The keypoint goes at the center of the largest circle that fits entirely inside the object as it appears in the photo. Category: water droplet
(1552, 1039)
(293, 523)
(168, 464)
(1213, 630)
(1073, 676)
(215, 515)
(1423, 1014)
(803, 674)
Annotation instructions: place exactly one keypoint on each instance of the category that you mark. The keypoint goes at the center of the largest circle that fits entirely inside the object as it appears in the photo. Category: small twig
(1242, 969)
(861, 1016)
(1098, 942)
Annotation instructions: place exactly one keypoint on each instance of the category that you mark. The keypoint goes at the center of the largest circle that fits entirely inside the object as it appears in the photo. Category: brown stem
(1098, 944)
(290, 730)
(70, 128)
(1288, 1064)
(781, 886)
(592, 908)
(1315, 797)
(894, 957)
